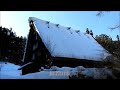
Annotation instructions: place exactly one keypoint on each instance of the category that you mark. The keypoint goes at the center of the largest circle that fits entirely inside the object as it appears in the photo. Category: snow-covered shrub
(73, 75)
(54, 68)
(47, 67)
(65, 69)
(80, 68)
(41, 69)
(76, 75)
(91, 73)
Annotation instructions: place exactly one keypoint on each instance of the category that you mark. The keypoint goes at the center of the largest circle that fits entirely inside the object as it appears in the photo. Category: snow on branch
(115, 27)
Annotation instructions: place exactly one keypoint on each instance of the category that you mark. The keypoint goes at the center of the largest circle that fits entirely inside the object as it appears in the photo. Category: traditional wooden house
(53, 44)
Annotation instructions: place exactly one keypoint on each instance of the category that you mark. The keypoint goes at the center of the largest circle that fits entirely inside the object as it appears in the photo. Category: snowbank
(10, 71)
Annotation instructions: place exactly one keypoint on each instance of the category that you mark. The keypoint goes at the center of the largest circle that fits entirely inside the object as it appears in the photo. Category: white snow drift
(10, 71)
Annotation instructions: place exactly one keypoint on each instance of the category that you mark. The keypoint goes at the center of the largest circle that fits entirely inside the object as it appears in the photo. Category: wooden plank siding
(37, 54)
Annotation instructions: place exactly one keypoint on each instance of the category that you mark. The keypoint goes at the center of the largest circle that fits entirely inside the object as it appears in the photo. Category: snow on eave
(24, 65)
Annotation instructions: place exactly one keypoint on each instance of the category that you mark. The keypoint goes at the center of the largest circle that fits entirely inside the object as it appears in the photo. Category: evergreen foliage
(11, 46)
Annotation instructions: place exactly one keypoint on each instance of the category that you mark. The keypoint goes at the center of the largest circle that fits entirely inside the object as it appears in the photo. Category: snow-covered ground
(10, 71)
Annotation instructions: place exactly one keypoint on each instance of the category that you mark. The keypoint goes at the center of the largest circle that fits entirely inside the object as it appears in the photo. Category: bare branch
(99, 13)
(115, 27)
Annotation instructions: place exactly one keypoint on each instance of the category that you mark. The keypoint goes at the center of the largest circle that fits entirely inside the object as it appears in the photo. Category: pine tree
(106, 42)
(11, 46)
(118, 37)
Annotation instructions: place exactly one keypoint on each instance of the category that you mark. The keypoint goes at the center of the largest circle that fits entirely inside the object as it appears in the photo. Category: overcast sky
(78, 20)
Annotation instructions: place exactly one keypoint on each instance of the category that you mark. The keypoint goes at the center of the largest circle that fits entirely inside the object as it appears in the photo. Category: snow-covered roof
(65, 42)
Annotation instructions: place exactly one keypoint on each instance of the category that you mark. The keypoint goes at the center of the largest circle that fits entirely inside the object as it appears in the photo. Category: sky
(77, 20)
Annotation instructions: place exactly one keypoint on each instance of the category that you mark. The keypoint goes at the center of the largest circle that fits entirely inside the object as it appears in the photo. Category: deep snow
(10, 71)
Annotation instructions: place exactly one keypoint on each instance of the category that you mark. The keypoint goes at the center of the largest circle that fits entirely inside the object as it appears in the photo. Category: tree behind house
(11, 46)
